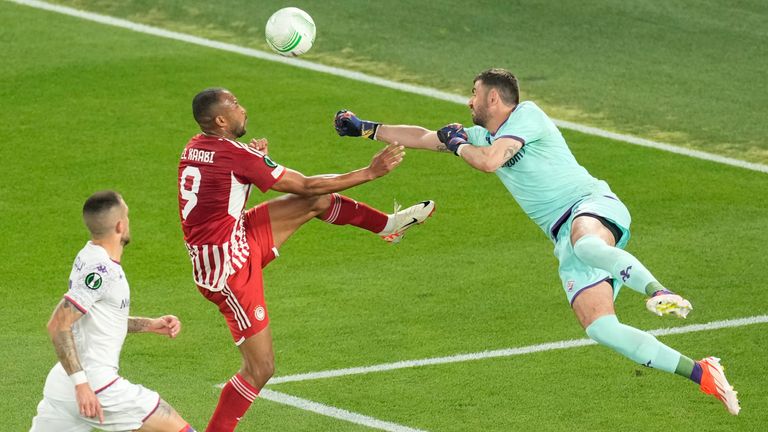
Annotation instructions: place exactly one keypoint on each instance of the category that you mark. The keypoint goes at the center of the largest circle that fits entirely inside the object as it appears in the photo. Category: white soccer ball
(290, 31)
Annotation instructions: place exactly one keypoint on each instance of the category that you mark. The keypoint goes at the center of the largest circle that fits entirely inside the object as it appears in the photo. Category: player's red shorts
(242, 300)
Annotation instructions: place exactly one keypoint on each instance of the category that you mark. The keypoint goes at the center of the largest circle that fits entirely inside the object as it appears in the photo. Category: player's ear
(220, 121)
(493, 95)
(121, 226)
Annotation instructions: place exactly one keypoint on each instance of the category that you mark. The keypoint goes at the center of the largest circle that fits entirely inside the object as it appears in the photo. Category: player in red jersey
(229, 246)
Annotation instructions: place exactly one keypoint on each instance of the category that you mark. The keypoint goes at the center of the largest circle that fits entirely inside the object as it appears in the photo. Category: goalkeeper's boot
(713, 382)
(405, 219)
(665, 302)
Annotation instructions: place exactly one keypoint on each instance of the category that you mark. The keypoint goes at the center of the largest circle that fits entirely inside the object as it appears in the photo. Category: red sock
(346, 211)
(236, 397)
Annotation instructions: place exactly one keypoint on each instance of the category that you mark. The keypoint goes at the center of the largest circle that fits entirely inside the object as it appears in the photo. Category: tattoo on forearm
(441, 148)
(136, 325)
(64, 344)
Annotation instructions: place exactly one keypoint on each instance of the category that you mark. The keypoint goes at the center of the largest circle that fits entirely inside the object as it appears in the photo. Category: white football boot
(668, 303)
(405, 219)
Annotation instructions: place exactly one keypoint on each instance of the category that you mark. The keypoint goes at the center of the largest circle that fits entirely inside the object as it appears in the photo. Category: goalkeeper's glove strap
(368, 129)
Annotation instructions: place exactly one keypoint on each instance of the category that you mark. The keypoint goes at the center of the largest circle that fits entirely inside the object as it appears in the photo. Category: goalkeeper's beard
(479, 118)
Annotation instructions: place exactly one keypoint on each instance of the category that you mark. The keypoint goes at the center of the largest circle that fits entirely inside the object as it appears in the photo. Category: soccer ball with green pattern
(290, 32)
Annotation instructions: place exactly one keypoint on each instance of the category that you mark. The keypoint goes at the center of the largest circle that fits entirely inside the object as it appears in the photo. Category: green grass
(688, 72)
(584, 392)
(88, 107)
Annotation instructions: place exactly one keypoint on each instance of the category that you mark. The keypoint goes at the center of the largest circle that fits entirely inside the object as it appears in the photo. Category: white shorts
(125, 405)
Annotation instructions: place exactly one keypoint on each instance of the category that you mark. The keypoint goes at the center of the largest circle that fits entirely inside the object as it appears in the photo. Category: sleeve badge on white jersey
(93, 280)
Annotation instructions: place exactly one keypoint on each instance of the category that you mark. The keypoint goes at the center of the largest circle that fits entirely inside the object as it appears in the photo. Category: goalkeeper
(585, 220)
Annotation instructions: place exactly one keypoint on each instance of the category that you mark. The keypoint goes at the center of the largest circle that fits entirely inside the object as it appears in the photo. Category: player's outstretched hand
(348, 124)
(453, 136)
(167, 325)
(87, 402)
(387, 159)
(259, 144)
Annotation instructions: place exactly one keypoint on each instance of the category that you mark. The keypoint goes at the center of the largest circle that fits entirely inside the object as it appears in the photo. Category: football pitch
(461, 327)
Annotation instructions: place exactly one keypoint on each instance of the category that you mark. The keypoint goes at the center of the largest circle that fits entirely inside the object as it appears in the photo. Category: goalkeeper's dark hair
(96, 207)
(503, 81)
(204, 103)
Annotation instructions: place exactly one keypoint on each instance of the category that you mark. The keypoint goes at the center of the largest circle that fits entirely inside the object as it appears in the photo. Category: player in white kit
(83, 391)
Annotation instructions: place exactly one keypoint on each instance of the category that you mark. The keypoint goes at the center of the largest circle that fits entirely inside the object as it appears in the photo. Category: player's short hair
(96, 209)
(204, 103)
(503, 81)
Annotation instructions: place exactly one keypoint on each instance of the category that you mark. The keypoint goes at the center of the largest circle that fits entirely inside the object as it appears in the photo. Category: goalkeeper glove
(453, 136)
(348, 124)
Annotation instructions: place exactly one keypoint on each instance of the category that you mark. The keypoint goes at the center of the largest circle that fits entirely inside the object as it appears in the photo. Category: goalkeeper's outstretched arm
(348, 124)
(411, 137)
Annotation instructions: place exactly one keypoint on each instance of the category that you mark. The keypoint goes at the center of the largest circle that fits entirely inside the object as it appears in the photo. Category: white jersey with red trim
(215, 178)
(99, 289)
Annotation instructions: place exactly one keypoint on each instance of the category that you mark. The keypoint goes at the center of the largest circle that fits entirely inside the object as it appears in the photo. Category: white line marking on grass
(696, 154)
(508, 352)
(334, 412)
(357, 76)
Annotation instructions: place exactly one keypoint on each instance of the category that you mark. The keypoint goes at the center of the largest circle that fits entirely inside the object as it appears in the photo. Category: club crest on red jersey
(259, 313)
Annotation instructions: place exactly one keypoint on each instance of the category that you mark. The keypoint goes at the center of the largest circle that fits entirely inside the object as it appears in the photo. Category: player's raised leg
(594, 309)
(289, 212)
(594, 244)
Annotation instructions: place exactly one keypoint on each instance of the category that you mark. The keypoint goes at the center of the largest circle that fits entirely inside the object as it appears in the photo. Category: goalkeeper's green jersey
(543, 177)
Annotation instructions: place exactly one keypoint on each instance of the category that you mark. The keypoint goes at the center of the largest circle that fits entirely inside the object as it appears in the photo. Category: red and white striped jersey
(215, 178)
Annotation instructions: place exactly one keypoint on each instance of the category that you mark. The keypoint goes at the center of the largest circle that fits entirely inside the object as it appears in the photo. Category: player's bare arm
(489, 159)
(167, 325)
(411, 137)
(60, 331)
(348, 124)
(382, 163)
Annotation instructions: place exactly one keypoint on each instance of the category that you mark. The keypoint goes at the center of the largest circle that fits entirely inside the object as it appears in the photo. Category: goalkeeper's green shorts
(574, 274)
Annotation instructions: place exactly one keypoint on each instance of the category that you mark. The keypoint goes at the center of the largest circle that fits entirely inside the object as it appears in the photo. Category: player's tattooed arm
(442, 148)
(489, 159)
(138, 324)
(60, 331)
(167, 325)
(510, 151)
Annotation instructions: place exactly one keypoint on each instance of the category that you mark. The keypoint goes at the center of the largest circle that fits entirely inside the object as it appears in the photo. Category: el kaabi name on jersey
(197, 155)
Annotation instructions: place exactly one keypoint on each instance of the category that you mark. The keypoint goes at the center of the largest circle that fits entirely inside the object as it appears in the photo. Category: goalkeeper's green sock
(642, 347)
(689, 369)
(622, 265)
(634, 344)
